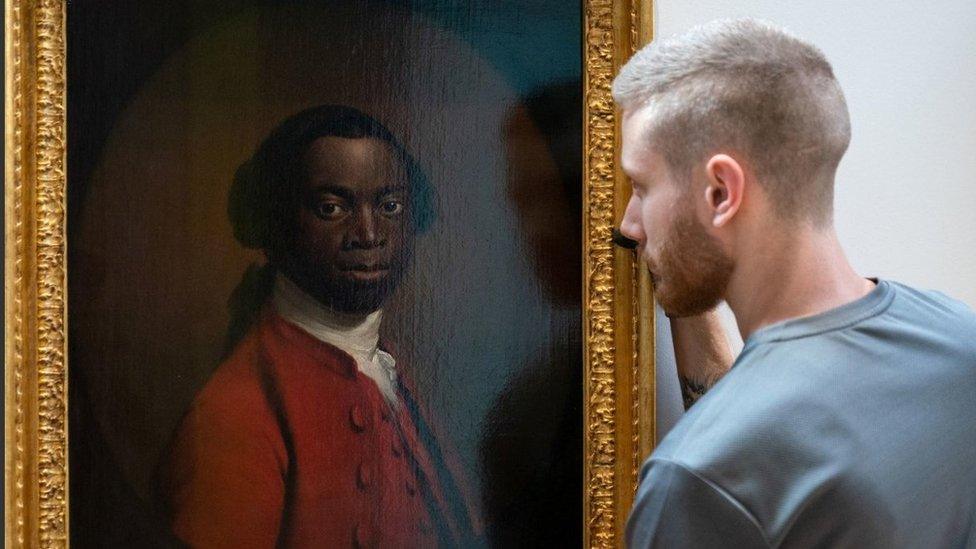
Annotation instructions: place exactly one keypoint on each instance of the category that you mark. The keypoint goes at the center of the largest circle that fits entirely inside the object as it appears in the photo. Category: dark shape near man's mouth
(619, 239)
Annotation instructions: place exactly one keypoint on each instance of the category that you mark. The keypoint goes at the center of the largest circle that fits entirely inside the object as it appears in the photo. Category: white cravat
(357, 335)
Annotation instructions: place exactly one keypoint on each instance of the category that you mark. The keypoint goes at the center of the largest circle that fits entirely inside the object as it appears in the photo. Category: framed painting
(320, 274)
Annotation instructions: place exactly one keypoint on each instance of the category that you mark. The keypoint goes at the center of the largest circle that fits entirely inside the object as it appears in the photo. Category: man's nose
(630, 224)
(366, 233)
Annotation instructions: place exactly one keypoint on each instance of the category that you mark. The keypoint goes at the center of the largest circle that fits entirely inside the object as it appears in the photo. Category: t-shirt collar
(872, 304)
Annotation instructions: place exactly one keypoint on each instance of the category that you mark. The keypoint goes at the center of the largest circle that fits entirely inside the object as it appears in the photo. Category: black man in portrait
(309, 434)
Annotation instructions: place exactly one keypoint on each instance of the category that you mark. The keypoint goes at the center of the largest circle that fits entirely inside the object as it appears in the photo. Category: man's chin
(358, 303)
(687, 303)
(360, 295)
(683, 309)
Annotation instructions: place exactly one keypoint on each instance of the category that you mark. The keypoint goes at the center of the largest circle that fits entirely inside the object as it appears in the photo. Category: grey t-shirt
(852, 428)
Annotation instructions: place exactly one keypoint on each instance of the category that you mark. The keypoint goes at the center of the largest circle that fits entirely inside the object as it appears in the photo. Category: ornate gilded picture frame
(612, 312)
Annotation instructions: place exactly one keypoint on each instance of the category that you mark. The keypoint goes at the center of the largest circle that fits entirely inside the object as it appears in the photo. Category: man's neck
(353, 333)
(802, 273)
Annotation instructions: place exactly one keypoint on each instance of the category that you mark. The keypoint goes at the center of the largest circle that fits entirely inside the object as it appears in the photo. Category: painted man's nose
(365, 234)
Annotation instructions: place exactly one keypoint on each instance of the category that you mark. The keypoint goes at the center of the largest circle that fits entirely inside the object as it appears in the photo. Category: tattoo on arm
(691, 391)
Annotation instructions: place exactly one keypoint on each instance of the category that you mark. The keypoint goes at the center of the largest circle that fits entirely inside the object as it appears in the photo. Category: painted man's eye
(329, 210)
(392, 207)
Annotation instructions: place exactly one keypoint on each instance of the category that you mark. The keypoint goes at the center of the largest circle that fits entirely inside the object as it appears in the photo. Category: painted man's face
(689, 269)
(353, 232)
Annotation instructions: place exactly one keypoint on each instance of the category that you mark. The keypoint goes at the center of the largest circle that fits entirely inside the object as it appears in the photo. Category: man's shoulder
(763, 454)
(744, 413)
(775, 410)
(931, 327)
(274, 364)
(235, 391)
(933, 305)
(677, 505)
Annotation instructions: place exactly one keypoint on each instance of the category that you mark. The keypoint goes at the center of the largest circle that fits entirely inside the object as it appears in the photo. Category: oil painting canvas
(325, 272)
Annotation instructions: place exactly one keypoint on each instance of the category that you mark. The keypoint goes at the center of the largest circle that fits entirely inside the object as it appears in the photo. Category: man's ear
(725, 180)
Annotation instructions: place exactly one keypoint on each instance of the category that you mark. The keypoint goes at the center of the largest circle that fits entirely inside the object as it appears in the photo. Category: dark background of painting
(165, 99)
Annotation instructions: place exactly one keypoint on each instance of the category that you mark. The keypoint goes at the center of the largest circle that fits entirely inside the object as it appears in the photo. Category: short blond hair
(745, 86)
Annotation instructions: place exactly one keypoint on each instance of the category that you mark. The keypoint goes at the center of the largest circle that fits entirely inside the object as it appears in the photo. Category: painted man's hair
(749, 87)
(265, 195)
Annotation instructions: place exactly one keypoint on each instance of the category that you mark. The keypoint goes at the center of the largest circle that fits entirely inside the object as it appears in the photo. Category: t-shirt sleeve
(676, 507)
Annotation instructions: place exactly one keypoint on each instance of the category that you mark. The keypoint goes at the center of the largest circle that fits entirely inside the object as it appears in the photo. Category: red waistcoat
(289, 445)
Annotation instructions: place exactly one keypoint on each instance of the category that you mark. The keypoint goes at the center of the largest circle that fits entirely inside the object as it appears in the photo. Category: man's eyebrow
(390, 189)
(337, 190)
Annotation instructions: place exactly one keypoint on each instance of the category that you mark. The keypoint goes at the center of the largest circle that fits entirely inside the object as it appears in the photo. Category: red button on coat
(362, 536)
(358, 418)
(363, 476)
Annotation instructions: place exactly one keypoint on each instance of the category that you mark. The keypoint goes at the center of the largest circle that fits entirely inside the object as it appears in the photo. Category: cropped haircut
(749, 87)
(265, 195)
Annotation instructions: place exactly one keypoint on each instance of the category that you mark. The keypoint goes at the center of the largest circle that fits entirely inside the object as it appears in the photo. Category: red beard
(693, 272)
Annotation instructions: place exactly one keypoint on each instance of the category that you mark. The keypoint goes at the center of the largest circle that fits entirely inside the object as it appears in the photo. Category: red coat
(289, 444)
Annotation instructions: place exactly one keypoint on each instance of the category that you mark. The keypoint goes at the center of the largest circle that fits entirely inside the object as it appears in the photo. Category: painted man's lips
(367, 272)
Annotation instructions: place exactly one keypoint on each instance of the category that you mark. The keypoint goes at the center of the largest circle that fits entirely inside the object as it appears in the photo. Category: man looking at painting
(848, 420)
(307, 435)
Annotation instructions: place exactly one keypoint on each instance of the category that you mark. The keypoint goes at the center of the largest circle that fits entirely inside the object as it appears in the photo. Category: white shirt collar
(357, 335)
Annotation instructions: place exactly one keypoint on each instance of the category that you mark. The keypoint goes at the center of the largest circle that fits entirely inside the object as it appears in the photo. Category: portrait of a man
(319, 293)
(308, 435)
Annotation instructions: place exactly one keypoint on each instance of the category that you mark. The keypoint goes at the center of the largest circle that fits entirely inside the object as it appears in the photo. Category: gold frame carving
(619, 416)
(36, 421)
(618, 401)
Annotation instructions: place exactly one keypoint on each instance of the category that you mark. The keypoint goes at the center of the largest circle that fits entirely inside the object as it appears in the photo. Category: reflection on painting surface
(400, 362)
